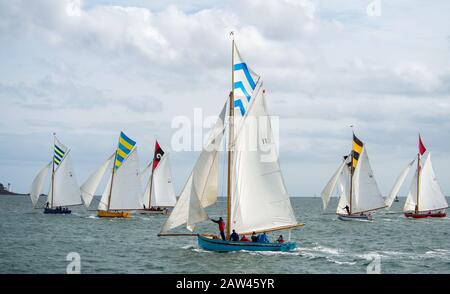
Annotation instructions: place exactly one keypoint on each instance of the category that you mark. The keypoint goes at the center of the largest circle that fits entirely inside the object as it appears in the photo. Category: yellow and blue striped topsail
(245, 81)
(123, 149)
(59, 152)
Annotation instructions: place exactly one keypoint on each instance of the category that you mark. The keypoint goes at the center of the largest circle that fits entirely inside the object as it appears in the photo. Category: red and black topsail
(157, 156)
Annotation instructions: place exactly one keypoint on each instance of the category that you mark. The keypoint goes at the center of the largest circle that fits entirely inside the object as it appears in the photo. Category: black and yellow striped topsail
(356, 150)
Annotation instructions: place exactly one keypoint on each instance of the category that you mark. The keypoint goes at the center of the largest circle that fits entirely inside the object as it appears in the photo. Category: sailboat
(425, 198)
(123, 190)
(64, 190)
(159, 194)
(360, 196)
(257, 200)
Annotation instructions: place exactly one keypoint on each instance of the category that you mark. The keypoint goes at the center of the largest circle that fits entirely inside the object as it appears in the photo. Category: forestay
(329, 188)
(201, 188)
(398, 184)
(90, 186)
(38, 183)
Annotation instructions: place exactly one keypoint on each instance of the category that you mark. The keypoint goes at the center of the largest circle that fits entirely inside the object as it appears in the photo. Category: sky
(90, 69)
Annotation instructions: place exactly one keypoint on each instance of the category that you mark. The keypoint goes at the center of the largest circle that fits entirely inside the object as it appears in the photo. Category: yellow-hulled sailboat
(122, 193)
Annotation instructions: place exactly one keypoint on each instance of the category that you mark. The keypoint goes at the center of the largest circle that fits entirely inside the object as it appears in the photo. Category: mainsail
(125, 193)
(90, 186)
(163, 194)
(38, 183)
(260, 201)
(365, 192)
(430, 194)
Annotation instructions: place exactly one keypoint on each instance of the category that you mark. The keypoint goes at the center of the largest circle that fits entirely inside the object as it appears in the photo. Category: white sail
(365, 192)
(126, 190)
(344, 191)
(430, 194)
(38, 183)
(104, 200)
(259, 197)
(144, 176)
(66, 191)
(163, 192)
(90, 186)
(201, 188)
(329, 188)
(410, 203)
(398, 184)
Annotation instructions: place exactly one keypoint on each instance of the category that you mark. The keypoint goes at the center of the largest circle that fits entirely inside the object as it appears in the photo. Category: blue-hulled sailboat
(64, 190)
(257, 200)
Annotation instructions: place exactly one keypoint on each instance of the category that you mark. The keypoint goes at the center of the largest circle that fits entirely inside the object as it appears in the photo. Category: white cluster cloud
(88, 70)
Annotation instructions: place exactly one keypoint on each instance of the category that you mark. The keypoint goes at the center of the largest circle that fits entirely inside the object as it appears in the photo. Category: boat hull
(154, 212)
(56, 211)
(355, 217)
(425, 214)
(227, 246)
(113, 214)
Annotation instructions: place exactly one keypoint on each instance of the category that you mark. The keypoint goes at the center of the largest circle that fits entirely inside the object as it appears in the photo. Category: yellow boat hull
(122, 214)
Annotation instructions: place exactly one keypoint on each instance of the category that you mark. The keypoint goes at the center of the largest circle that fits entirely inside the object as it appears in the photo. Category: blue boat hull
(226, 246)
(56, 211)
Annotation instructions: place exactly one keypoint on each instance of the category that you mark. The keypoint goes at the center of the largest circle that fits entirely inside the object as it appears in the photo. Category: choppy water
(32, 242)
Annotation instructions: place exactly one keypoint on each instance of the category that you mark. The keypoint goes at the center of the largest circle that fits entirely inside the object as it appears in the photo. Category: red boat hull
(425, 215)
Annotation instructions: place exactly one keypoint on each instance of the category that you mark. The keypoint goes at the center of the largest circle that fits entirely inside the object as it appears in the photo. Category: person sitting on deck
(280, 239)
(347, 209)
(262, 238)
(254, 237)
(221, 224)
(234, 236)
(244, 239)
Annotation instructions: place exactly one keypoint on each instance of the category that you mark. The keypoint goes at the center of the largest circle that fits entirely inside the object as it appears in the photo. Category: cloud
(90, 69)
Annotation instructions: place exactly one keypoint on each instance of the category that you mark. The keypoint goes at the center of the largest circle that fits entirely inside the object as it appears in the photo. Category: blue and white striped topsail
(59, 152)
(245, 83)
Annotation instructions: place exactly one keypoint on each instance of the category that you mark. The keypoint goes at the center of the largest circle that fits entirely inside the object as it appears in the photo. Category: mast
(351, 179)
(416, 210)
(112, 179)
(230, 141)
(151, 186)
(53, 169)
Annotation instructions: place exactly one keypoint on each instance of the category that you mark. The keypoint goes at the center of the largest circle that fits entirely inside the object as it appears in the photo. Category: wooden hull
(210, 244)
(56, 211)
(355, 217)
(425, 214)
(113, 214)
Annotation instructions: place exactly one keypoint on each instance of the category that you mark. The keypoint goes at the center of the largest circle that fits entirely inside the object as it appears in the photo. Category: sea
(31, 242)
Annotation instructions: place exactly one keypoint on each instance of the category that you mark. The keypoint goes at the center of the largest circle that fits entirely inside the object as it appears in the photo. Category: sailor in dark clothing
(234, 236)
(47, 204)
(221, 224)
(254, 237)
(347, 209)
